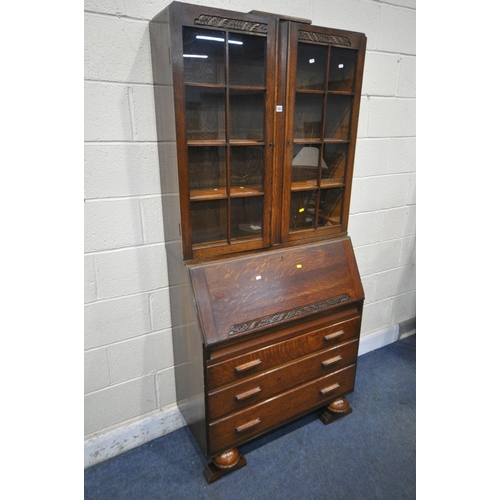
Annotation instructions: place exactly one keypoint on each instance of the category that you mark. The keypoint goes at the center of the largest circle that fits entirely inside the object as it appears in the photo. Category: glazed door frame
(273, 194)
(227, 25)
(319, 138)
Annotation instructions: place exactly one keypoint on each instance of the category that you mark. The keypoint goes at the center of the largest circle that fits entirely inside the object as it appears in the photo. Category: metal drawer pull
(248, 425)
(331, 361)
(326, 390)
(247, 394)
(248, 366)
(333, 335)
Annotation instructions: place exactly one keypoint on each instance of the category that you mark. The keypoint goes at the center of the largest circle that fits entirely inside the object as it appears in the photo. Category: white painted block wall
(129, 376)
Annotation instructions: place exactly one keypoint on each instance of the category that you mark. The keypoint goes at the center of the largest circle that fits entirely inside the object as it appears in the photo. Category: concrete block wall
(129, 377)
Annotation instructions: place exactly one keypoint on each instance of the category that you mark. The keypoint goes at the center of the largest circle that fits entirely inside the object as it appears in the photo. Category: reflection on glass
(209, 221)
(330, 206)
(246, 217)
(305, 163)
(322, 114)
(246, 115)
(247, 57)
(311, 66)
(207, 168)
(342, 66)
(334, 156)
(203, 56)
(308, 114)
(205, 116)
(247, 166)
(338, 114)
(302, 209)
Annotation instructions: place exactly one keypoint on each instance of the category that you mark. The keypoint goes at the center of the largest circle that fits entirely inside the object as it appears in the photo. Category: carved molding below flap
(318, 37)
(276, 319)
(233, 24)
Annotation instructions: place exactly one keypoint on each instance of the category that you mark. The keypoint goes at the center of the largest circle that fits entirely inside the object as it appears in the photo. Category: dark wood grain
(248, 289)
(237, 117)
(266, 314)
(279, 409)
(240, 345)
(264, 385)
(276, 354)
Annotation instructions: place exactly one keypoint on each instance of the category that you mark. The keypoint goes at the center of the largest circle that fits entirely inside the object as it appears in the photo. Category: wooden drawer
(247, 365)
(264, 385)
(239, 427)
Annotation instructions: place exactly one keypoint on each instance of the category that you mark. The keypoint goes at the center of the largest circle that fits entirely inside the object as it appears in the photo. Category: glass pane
(338, 114)
(305, 163)
(209, 221)
(203, 55)
(207, 168)
(330, 206)
(342, 69)
(205, 116)
(308, 112)
(247, 166)
(246, 111)
(246, 217)
(311, 66)
(247, 56)
(302, 209)
(334, 157)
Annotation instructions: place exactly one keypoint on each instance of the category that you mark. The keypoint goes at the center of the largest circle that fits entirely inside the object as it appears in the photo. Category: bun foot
(339, 408)
(225, 463)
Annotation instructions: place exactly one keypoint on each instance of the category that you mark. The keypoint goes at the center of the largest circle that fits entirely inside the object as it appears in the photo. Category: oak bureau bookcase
(257, 118)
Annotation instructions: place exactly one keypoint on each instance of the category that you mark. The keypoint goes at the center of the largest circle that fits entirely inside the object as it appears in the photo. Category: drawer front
(237, 428)
(264, 385)
(248, 365)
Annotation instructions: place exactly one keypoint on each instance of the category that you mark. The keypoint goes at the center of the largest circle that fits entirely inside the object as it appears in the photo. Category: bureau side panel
(188, 348)
(188, 356)
(186, 335)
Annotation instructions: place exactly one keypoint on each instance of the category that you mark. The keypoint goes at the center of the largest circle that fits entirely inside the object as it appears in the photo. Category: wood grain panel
(219, 374)
(267, 384)
(224, 433)
(273, 287)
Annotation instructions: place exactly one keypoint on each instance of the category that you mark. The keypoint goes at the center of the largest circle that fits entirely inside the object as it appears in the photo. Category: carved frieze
(282, 317)
(233, 24)
(319, 37)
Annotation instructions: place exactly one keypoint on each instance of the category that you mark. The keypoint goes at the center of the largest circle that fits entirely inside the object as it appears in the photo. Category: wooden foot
(225, 463)
(339, 408)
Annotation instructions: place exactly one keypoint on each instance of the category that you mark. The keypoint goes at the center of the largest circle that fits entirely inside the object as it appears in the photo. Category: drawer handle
(247, 394)
(331, 361)
(248, 425)
(247, 366)
(326, 390)
(333, 335)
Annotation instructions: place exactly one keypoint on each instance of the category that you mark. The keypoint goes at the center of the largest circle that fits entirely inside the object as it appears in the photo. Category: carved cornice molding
(233, 24)
(318, 37)
(276, 319)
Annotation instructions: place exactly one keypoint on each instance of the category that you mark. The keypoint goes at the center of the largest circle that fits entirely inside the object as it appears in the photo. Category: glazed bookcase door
(224, 81)
(324, 87)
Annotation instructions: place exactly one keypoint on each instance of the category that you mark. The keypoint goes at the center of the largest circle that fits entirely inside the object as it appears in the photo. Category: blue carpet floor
(367, 455)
